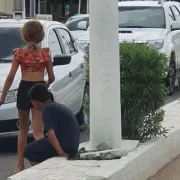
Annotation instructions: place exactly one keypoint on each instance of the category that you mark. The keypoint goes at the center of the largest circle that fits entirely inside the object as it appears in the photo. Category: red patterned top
(33, 61)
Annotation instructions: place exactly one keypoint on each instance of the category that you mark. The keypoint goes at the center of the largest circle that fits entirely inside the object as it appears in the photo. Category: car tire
(80, 117)
(81, 120)
(51, 95)
(179, 82)
(171, 77)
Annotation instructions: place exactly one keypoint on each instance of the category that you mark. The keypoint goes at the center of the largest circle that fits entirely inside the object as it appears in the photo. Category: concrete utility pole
(19, 9)
(105, 109)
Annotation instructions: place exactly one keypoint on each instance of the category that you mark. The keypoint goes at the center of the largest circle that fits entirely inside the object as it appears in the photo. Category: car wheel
(171, 77)
(51, 95)
(179, 82)
(81, 120)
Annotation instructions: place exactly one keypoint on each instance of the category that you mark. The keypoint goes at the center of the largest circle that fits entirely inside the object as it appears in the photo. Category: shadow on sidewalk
(9, 144)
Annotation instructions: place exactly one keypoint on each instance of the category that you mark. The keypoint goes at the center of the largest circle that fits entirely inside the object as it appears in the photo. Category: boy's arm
(55, 143)
(49, 128)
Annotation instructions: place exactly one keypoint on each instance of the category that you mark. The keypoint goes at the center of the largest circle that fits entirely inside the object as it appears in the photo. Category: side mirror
(175, 25)
(61, 60)
(82, 25)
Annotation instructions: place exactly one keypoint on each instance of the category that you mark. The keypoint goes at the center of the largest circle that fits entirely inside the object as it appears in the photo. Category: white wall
(6, 6)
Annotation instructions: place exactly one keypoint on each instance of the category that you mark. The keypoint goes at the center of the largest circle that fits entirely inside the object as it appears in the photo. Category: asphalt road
(8, 155)
(169, 172)
(8, 149)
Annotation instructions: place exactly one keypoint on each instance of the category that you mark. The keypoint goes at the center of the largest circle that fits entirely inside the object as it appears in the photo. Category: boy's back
(59, 118)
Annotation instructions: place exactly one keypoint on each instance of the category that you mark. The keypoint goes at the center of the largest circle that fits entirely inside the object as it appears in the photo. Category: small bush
(86, 91)
(143, 91)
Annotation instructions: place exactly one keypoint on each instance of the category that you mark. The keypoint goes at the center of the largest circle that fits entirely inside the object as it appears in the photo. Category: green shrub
(86, 91)
(143, 91)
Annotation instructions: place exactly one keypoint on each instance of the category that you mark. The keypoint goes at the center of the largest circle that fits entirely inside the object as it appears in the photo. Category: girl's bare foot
(18, 169)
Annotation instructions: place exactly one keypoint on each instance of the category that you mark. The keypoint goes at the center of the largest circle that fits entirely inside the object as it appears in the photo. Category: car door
(60, 85)
(176, 36)
(76, 70)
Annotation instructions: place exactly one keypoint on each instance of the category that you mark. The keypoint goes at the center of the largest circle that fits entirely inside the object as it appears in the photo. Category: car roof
(146, 3)
(20, 23)
(139, 3)
(80, 15)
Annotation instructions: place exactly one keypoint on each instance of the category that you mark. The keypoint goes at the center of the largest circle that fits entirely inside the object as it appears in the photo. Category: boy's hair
(39, 92)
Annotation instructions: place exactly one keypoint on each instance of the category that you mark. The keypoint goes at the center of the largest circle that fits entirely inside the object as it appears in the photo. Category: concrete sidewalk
(140, 164)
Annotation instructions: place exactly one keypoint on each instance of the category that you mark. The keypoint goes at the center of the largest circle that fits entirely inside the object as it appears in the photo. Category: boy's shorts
(39, 151)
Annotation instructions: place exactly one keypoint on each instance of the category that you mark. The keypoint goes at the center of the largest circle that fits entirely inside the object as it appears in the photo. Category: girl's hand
(47, 84)
(2, 100)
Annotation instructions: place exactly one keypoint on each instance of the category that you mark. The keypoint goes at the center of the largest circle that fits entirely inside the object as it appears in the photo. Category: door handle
(70, 74)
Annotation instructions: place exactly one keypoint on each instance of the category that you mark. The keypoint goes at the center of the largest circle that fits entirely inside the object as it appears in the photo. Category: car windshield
(10, 39)
(72, 24)
(141, 17)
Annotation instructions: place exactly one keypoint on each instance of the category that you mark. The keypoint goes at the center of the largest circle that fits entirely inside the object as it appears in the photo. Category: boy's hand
(63, 154)
(55, 143)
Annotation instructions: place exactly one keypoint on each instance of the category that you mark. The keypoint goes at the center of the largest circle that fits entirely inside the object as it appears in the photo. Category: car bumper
(9, 120)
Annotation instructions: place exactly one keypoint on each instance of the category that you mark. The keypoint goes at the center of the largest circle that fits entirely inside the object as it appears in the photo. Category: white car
(78, 25)
(154, 22)
(69, 84)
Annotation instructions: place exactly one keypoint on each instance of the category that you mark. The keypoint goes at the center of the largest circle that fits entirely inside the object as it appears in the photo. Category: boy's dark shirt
(61, 119)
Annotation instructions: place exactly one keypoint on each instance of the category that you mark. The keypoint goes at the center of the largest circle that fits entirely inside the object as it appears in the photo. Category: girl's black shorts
(23, 101)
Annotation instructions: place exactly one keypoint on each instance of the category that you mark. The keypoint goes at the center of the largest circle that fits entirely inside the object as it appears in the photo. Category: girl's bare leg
(37, 124)
(22, 137)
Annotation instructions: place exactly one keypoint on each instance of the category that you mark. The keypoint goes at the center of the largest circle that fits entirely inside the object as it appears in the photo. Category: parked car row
(154, 22)
(68, 66)
(157, 24)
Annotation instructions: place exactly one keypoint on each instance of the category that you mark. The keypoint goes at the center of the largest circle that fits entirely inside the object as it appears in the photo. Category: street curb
(140, 164)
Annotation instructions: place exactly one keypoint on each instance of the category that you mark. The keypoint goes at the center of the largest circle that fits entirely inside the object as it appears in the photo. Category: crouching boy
(60, 127)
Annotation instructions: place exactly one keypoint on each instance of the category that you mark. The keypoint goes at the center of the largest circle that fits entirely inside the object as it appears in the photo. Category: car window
(67, 41)
(141, 17)
(72, 24)
(53, 43)
(10, 39)
(176, 12)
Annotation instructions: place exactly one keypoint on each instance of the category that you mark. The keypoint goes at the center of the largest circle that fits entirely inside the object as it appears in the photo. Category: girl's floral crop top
(33, 61)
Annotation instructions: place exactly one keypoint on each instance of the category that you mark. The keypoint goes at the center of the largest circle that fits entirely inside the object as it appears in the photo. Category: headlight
(11, 96)
(158, 44)
(84, 46)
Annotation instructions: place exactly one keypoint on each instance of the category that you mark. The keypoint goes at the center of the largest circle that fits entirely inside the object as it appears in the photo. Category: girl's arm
(49, 67)
(10, 78)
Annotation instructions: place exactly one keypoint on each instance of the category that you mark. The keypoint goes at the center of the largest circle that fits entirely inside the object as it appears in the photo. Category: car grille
(136, 43)
(8, 126)
(141, 43)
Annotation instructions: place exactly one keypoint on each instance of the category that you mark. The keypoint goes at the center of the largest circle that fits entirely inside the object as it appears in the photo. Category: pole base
(106, 153)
